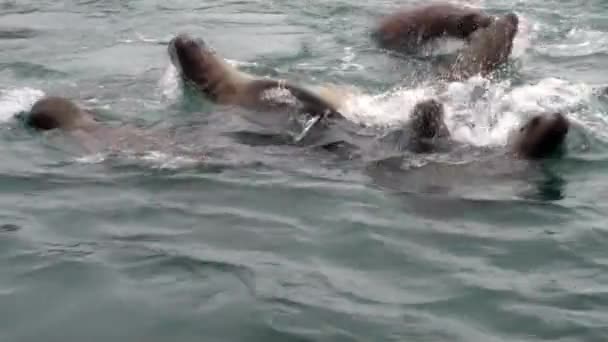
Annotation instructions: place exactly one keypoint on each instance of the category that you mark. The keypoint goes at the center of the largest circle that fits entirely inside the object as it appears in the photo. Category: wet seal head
(197, 64)
(424, 132)
(541, 136)
(55, 112)
(201, 67)
(427, 119)
(185, 50)
(488, 48)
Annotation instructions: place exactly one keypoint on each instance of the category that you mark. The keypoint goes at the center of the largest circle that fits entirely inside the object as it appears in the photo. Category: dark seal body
(408, 29)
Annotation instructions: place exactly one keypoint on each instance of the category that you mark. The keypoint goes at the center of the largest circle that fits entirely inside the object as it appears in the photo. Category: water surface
(200, 236)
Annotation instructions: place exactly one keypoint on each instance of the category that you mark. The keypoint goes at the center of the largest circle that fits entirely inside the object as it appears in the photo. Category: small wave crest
(169, 83)
(153, 159)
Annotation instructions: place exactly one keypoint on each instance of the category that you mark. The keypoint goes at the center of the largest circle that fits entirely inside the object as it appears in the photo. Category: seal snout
(512, 18)
(183, 49)
(560, 123)
(559, 128)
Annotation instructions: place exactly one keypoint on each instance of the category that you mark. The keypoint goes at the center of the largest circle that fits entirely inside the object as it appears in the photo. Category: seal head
(59, 113)
(427, 120)
(424, 132)
(488, 48)
(541, 136)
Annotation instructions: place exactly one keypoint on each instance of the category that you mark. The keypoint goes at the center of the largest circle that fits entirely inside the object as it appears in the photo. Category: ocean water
(190, 233)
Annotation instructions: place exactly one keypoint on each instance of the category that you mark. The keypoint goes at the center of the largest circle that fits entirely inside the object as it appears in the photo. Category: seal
(59, 113)
(428, 120)
(541, 136)
(54, 112)
(424, 132)
(88, 132)
(408, 29)
(221, 83)
(488, 48)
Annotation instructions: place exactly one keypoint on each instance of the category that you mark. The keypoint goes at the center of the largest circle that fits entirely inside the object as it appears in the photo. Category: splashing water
(169, 83)
(479, 112)
(13, 101)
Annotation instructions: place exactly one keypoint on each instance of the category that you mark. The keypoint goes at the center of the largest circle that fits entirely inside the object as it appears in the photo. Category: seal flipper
(310, 102)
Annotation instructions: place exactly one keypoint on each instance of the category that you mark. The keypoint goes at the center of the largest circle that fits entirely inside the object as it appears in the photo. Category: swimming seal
(424, 132)
(59, 113)
(488, 48)
(224, 84)
(410, 28)
(541, 136)
(55, 112)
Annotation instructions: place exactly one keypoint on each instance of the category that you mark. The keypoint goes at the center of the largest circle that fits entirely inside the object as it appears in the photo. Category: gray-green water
(279, 243)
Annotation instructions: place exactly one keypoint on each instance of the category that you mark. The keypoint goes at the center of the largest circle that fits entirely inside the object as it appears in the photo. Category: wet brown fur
(226, 85)
(55, 112)
(488, 48)
(410, 28)
(541, 136)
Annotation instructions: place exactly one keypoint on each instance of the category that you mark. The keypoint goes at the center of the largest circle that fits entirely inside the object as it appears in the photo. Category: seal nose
(560, 123)
(176, 48)
(512, 18)
(184, 46)
(180, 40)
(184, 40)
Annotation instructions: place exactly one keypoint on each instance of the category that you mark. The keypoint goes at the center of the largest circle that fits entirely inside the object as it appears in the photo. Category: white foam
(347, 62)
(478, 111)
(167, 161)
(237, 64)
(91, 158)
(13, 101)
(154, 159)
(169, 83)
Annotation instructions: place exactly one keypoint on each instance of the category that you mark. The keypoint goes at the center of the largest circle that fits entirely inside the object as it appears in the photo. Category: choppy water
(197, 236)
